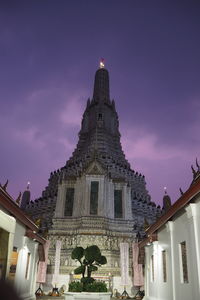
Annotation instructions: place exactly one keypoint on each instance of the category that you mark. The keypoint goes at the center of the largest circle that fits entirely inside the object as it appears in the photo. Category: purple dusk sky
(49, 52)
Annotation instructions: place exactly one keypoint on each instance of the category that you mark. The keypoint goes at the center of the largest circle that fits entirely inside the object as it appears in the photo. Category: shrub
(75, 286)
(96, 286)
(87, 280)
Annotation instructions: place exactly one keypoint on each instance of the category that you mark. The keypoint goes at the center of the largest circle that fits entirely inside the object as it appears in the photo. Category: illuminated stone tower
(96, 198)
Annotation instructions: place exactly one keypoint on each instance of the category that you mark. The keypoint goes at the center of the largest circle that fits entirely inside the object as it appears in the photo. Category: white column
(128, 203)
(86, 198)
(55, 278)
(111, 200)
(106, 199)
(101, 197)
(34, 264)
(76, 204)
(20, 281)
(193, 212)
(147, 272)
(60, 201)
(124, 208)
(170, 229)
(80, 197)
(156, 268)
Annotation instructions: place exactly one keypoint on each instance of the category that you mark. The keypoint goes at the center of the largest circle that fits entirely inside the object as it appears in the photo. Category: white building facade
(172, 249)
(20, 247)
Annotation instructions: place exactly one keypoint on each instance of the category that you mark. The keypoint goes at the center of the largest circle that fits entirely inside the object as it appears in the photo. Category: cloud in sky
(48, 58)
(39, 136)
(162, 163)
(73, 111)
(138, 144)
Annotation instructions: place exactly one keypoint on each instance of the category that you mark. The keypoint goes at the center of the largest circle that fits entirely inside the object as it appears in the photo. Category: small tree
(90, 259)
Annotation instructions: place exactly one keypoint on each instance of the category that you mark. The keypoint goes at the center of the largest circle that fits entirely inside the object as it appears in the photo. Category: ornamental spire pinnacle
(102, 63)
(166, 200)
(28, 185)
(101, 84)
(165, 190)
(26, 197)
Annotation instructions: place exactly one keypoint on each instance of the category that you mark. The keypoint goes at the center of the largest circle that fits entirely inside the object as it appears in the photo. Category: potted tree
(90, 259)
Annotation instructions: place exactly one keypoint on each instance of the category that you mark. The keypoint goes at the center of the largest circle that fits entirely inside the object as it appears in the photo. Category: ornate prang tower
(96, 198)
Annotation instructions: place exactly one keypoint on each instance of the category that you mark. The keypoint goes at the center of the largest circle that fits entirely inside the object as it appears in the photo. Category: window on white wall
(183, 261)
(27, 265)
(94, 197)
(152, 267)
(164, 263)
(69, 202)
(118, 204)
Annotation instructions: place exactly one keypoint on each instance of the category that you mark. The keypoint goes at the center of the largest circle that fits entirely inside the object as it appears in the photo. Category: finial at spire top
(102, 63)
(28, 185)
(166, 200)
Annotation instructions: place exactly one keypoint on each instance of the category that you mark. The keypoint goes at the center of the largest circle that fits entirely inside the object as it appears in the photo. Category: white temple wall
(193, 212)
(25, 279)
(8, 223)
(20, 232)
(184, 228)
(157, 287)
(25, 285)
(182, 232)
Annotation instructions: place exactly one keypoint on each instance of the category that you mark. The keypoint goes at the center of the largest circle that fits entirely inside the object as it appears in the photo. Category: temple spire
(166, 200)
(26, 197)
(101, 84)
